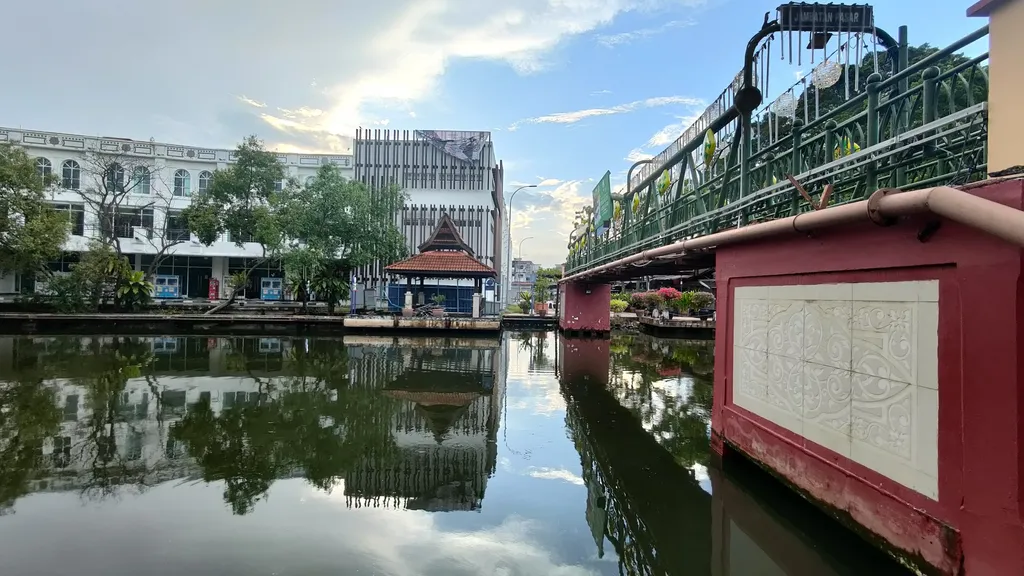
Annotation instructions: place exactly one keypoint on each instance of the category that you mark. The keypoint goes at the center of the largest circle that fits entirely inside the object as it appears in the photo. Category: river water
(383, 456)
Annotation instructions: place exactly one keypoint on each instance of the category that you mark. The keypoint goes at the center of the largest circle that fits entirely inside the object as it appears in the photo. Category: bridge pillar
(878, 370)
(584, 307)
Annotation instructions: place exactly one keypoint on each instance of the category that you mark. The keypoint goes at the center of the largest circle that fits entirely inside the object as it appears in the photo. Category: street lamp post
(508, 251)
(521, 245)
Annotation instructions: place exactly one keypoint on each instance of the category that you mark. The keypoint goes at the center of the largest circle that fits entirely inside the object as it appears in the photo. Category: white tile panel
(851, 367)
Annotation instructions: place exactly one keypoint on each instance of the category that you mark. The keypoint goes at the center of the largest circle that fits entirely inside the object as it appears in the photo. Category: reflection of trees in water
(535, 344)
(303, 408)
(649, 508)
(101, 367)
(667, 384)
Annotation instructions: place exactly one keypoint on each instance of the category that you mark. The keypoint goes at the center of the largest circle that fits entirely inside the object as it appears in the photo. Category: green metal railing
(923, 126)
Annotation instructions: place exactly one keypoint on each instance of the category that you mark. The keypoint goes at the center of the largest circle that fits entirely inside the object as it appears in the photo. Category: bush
(619, 305)
(702, 300)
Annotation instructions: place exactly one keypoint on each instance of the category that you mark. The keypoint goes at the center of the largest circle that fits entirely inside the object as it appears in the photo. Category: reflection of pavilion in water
(444, 431)
(447, 392)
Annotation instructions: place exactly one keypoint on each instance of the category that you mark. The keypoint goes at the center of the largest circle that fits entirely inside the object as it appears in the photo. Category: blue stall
(271, 288)
(167, 286)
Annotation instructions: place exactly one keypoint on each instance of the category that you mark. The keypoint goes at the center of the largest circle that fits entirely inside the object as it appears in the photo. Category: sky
(568, 88)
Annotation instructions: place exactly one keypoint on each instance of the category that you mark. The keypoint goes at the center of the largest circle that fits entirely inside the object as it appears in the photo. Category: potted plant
(702, 302)
(438, 300)
(524, 302)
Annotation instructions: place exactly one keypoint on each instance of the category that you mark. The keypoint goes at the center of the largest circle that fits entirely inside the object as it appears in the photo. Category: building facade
(524, 275)
(441, 172)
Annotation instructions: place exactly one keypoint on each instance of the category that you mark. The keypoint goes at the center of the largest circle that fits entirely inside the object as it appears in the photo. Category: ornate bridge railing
(923, 125)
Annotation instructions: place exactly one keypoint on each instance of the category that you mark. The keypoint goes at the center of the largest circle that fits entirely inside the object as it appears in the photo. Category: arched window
(140, 180)
(182, 183)
(43, 167)
(113, 177)
(310, 180)
(204, 181)
(71, 175)
(279, 185)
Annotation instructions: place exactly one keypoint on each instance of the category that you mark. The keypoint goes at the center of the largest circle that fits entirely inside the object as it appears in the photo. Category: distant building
(524, 275)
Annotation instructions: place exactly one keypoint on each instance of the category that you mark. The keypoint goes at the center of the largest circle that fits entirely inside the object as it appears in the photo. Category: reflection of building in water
(440, 432)
(445, 429)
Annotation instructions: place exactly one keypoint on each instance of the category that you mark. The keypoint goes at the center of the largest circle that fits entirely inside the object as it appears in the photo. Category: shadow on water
(643, 439)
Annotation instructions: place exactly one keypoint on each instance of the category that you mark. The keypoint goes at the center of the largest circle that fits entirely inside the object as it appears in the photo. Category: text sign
(807, 17)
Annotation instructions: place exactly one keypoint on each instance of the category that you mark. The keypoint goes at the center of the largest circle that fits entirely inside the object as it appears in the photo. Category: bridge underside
(695, 266)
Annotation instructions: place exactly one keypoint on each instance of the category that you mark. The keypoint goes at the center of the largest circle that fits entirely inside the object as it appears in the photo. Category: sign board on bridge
(603, 206)
(807, 17)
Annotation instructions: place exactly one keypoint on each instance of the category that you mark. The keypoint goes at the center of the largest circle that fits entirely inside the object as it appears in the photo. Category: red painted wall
(979, 517)
(585, 312)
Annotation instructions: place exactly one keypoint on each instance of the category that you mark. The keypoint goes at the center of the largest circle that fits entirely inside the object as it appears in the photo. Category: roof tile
(436, 261)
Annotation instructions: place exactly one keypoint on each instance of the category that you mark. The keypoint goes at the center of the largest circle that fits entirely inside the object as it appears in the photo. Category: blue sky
(569, 88)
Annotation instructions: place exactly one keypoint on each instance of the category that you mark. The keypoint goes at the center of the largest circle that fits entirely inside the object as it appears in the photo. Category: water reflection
(527, 455)
(409, 427)
(643, 439)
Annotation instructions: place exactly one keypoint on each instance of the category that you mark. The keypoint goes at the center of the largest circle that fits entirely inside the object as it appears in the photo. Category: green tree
(243, 201)
(335, 225)
(31, 232)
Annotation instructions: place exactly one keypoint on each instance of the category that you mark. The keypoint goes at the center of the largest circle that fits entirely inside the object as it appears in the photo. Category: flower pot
(437, 312)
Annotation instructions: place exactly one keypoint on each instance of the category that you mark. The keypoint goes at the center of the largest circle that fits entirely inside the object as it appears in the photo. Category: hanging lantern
(785, 105)
(636, 204)
(617, 212)
(664, 182)
(826, 74)
(709, 147)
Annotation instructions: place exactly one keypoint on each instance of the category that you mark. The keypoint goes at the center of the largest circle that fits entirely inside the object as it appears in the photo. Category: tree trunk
(226, 303)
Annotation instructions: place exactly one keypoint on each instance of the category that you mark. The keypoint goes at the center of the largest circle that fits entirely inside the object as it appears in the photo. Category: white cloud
(549, 182)
(637, 154)
(355, 63)
(600, 92)
(612, 40)
(252, 102)
(578, 115)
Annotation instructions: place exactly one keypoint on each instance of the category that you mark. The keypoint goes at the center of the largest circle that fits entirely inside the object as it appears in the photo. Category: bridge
(885, 122)
(866, 233)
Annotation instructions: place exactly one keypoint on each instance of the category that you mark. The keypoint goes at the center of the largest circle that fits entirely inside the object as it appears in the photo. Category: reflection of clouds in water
(700, 472)
(511, 547)
(556, 474)
(297, 529)
(537, 394)
(652, 407)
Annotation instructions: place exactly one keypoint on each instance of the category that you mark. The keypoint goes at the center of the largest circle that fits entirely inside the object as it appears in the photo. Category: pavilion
(443, 255)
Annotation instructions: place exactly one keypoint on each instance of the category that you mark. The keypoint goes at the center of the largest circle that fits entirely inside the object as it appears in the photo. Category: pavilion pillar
(407, 309)
(422, 298)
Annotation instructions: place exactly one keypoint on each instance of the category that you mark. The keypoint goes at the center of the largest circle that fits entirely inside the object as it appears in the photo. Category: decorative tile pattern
(851, 367)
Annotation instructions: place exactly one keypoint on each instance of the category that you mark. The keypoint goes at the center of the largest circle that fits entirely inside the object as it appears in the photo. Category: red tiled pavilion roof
(442, 264)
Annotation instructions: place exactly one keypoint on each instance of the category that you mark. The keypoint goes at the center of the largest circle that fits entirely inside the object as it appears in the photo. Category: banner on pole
(603, 207)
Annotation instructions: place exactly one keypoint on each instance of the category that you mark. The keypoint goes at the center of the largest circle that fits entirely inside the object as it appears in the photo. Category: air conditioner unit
(140, 233)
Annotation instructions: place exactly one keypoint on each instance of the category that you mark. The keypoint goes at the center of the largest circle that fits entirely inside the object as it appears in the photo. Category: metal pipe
(996, 219)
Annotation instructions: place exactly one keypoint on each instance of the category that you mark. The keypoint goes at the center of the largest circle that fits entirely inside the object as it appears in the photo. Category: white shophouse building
(168, 176)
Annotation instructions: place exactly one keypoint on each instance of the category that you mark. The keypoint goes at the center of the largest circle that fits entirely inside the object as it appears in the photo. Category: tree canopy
(31, 231)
